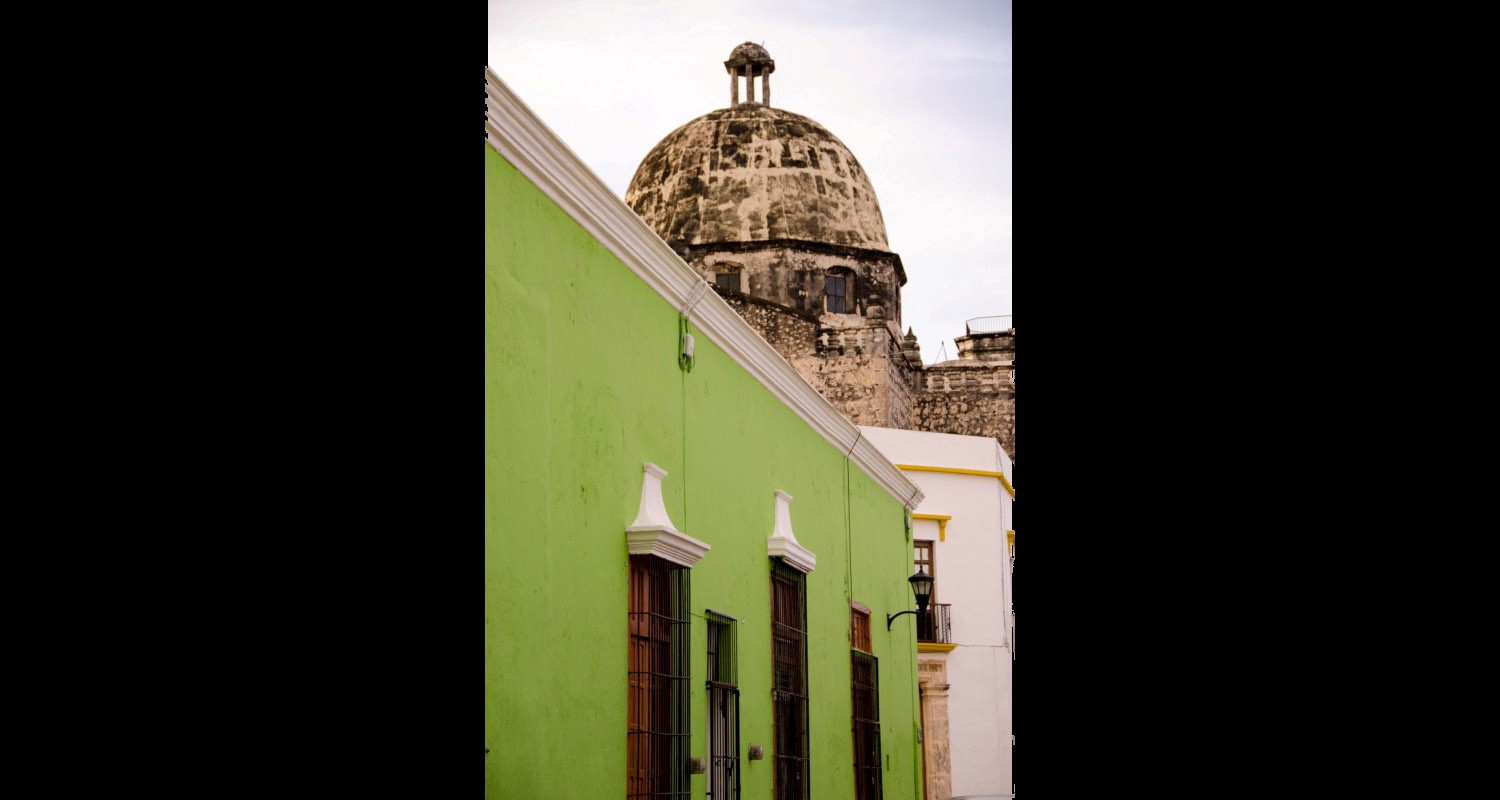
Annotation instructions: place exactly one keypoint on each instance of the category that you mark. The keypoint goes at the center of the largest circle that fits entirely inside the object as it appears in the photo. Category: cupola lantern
(749, 61)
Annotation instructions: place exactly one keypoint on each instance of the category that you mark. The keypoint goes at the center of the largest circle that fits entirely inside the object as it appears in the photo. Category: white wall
(972, 573)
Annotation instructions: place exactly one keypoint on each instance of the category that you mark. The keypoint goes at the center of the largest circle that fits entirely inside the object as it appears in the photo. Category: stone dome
(750, 52)
(755, 173)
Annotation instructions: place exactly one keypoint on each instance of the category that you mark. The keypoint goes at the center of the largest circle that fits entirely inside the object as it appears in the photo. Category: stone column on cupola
(751, 61)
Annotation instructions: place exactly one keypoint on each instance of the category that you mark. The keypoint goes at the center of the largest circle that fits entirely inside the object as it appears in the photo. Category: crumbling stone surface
(869, 388)
(975, 394)
(997, 346)
(790, 333)
(898, 390)
(755, 173)
(859, 369)
(795, 275)
(751, 53)
(972, 398)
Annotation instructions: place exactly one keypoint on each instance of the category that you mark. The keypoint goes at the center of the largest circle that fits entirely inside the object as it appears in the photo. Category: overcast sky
(920, 91)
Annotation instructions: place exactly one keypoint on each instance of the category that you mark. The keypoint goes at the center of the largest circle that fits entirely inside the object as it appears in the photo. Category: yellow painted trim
(1010, 538)
(931, 647)
(941, 520)
(959, 471)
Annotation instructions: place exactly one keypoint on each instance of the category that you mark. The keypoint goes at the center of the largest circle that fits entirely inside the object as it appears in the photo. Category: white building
(964, 537)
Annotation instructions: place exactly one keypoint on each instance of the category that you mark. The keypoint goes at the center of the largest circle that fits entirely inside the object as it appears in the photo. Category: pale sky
(919, 90)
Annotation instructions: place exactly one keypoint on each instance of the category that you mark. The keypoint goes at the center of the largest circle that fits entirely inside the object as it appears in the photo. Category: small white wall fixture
(783, 543)
(653, 534)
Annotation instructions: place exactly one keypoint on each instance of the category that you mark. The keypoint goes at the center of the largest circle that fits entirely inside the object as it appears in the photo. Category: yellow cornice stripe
(960, 471)
(941, 520)
(932, 647)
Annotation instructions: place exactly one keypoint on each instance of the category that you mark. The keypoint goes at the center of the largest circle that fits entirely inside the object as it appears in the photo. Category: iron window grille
(658, 729)
(789, 680)
(865, 678)
(723, 709)
(837, 287)
(727, 280)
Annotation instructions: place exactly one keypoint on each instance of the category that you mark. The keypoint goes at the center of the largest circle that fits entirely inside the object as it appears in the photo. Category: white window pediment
(653, 534)
(783, 543)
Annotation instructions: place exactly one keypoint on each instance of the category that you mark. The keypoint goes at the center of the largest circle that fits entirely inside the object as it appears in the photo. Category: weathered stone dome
(754, 173)
(749, 52)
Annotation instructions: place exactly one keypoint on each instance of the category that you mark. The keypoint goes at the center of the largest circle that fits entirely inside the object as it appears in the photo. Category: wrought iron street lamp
(921, 586)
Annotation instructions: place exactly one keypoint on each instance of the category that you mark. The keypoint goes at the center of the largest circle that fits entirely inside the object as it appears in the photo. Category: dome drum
(796, 277)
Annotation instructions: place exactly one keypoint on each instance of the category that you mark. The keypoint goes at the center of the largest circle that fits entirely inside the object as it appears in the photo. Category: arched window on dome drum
(727, 276)
(838, 287)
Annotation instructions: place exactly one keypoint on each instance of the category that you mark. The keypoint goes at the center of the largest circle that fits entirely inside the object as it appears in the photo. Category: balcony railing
(999, 324)
(935, 627)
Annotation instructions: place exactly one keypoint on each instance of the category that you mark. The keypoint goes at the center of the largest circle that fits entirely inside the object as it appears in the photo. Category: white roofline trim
(516, 132)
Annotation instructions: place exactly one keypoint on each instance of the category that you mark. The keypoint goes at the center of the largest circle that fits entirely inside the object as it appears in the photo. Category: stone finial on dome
(749, 61)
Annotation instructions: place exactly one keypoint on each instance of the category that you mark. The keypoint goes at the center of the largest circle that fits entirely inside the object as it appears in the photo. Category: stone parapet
(970, 398)
(999, 346)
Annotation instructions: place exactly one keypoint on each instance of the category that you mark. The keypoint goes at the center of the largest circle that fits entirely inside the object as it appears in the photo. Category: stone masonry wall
(975, 398)
(860, 370)
(853, 384)
(898, 381)
(795, 277)
(791, 334)
(863, 373)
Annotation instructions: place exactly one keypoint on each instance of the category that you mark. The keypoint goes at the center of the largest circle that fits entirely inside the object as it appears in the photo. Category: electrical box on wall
(685, 352)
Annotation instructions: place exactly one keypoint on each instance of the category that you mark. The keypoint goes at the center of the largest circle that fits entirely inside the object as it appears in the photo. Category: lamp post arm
(889, 618)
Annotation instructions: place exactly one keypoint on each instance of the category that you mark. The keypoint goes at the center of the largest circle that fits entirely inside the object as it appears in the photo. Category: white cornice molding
(527, 143)
(652, 533)
(783, 543)
(674, 546)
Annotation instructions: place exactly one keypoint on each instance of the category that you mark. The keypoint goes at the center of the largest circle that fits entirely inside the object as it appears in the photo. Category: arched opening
(727, 276)
(838, 291)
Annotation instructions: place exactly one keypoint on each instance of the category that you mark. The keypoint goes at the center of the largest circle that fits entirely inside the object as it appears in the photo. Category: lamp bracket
(889, 618)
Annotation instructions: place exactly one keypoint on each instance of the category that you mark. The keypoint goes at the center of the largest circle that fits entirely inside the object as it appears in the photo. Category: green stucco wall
(582, 386)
